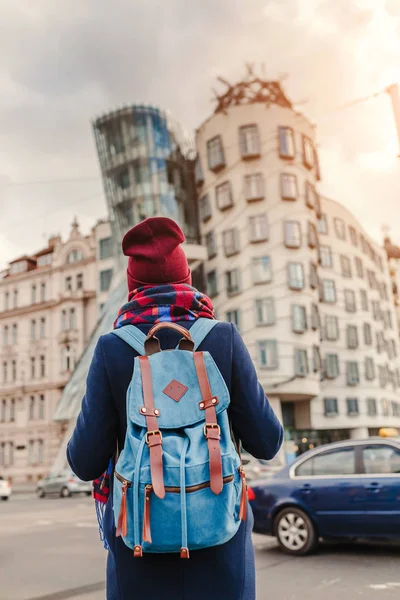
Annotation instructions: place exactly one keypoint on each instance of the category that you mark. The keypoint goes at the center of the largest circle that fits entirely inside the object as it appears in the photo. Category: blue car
(341, 490)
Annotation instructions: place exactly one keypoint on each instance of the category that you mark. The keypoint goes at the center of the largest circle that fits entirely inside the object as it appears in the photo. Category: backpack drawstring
(184, 548)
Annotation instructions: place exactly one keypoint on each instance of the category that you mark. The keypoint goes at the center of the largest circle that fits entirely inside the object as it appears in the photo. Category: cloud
(63, 63)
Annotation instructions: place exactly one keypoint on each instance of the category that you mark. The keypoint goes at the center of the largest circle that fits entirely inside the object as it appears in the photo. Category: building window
(33, 330)
(72, 318)
(3, 411)
(211, 245)
(261, 269)
(123, 179)
(215, 154)
(331, 366)
(295, 276)
(42, 329)
(205, 208)
(380, 342)
(74, 256)
(350, 300)
(315, 319)
(259, 230)
(6, 300)
(232, 279)
(79, 281)
(288, 186)
(313, 276)
(292, 231)
(268, 354)
(33, 367)
(372, 409)
(212, 288)
(325, 257)
(105, 248)
(316, 358)
(67, 359)
(359, 267)
(14, 333)
(299, 318)
(233, 316)
(353, 377)
(346, 265)
(42, 366)
(45, 259)
(376, 310)
(340, 228)
(328, 291)
(199, 177)
(369, 368)
(249, 141)
(231, 243)
(41, 407)
(224, 195)
(322, 224)
(31, 412)
(364, 300)
(42, 292)
(40, 452)
(311, 195)
(331, 328)
(5, 335)
(12, 411)
(367, 334)
(352, 337)
(105, 280)
(286, 142)
(5, 371)
(308, 152)
(15, 299)
(14, 370)
(265, 311)
(300, 362)
(353, 235)
(254, 187)
(68, 284)
(331, 407)
(64, 324)
(312, 235)
(352, 406)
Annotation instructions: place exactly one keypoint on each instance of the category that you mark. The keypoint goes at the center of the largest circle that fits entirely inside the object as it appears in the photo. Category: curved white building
(270, 250)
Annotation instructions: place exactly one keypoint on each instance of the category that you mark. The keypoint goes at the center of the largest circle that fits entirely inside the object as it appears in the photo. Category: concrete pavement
(49, 550)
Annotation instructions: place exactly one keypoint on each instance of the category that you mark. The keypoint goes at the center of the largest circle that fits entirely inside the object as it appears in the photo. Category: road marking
(43, 522)
(384, 586)
(86, 525)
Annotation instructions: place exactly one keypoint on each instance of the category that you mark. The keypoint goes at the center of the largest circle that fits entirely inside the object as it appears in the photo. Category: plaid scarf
(149, 304)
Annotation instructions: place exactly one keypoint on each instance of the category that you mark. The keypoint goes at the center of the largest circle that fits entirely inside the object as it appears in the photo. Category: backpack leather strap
(211, 427)
(153, 434)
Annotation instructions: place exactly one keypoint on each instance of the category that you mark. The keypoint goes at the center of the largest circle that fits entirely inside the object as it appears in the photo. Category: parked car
(63, 484)
(5, 489)
(257, 468)
(342, 490)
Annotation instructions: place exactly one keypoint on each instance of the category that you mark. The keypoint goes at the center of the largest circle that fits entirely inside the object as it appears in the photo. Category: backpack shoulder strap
(200, 330)
(132, 336)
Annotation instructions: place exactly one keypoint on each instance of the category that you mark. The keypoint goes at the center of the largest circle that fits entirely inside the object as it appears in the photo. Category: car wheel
(65, 493)
(295, 532)
(40, 493)
(4, 498)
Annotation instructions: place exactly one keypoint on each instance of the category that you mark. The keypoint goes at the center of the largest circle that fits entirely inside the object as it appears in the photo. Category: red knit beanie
(155, 253)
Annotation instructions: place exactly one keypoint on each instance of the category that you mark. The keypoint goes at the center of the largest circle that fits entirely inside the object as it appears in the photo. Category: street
(49, 550)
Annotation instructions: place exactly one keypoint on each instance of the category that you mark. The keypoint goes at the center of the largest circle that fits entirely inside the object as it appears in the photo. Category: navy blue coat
(225, 572)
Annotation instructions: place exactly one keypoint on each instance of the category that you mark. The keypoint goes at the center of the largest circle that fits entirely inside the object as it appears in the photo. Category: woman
(159, 282)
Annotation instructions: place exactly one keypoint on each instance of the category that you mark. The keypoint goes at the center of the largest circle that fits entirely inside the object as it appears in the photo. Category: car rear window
(381, 460)
(333, 462)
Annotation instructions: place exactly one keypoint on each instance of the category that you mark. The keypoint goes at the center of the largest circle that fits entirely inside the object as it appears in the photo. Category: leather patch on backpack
(175, 390)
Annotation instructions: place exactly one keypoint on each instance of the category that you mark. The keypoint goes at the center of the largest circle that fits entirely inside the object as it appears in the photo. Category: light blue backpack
(178, 482)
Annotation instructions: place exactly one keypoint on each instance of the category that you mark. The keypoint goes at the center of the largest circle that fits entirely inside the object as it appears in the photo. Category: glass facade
(148, 168)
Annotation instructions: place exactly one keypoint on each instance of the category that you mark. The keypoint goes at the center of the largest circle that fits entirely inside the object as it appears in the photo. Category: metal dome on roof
(251, 90)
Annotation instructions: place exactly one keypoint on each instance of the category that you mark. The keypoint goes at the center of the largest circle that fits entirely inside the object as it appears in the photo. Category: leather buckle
(153, 432)
(211, 426)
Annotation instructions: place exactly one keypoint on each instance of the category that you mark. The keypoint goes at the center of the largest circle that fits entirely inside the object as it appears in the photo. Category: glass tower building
(147, 164)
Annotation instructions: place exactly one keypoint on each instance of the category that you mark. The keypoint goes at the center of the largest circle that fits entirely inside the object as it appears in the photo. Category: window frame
(325, 251)
(234, 248)
(258, 221)
(287, 237)
(211, 244)
(274, 344)
(323, 295)
(267, 308)
(255, 261)
(291, 282)
(259, 185)
(304, 324)
(244, 152)
(307, 142)
(299, 362)
(205, 212)
(233, 290)
(218, 188)
(292, 177)
(215, 166)
(286, 155)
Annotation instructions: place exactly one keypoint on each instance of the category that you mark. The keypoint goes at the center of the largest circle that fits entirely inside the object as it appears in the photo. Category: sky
(63, 63)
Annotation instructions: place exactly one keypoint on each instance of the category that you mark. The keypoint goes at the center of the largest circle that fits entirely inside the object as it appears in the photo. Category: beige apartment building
(49, 305)
(307, 287)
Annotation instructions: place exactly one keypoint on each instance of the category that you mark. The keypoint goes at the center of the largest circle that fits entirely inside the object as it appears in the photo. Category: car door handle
(307, 488)
(373, 487)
